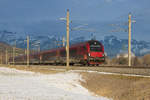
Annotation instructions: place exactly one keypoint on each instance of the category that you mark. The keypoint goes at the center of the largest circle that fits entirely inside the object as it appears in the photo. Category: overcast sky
(20, 10)
(20, 13)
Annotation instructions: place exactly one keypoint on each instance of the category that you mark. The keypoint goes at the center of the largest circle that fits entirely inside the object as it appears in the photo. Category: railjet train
(86, 53)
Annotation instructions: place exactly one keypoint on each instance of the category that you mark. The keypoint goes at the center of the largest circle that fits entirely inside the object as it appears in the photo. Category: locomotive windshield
(95, 46)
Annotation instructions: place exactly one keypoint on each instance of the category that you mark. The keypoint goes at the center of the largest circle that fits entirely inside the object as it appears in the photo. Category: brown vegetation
(37, 69)
(146, 60)
(119, 61)
(4, 47)
(117, 87)
(136, 61)
(113, 86)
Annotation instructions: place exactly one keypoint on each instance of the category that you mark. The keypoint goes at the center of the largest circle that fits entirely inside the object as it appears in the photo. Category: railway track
(105, 66)
(121, 66)
(100, 66)
(138, 70)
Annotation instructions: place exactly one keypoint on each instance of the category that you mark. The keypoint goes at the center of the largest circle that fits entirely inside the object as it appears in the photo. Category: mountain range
(112, 44)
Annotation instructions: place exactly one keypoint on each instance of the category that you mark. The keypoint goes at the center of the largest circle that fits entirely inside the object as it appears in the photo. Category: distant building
(125, 55)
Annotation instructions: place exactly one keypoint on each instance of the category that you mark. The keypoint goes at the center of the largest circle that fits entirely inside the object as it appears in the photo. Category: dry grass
(112, 86)
(117, 87)
(38, 69)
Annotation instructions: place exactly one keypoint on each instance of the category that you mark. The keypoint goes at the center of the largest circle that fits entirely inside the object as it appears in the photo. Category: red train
(86, 53)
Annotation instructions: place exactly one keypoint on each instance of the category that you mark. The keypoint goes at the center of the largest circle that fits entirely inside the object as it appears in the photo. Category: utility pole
(67, 48)
(6, 56)
(25, 51)
(1, 58)
(14, 53)
(63, 41)
(39, 49)
(28, 52)
(129, 40)
(57, 44)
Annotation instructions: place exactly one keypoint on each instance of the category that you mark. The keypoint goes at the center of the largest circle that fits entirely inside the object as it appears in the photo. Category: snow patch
(26, 85)
(109, 73)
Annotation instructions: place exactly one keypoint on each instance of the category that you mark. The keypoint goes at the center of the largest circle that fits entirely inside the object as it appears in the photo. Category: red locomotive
(86, 53)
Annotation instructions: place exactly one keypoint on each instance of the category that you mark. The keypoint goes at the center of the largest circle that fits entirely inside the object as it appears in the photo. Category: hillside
(112, 44)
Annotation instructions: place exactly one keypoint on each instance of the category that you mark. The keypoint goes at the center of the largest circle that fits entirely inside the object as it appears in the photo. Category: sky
(38, 15)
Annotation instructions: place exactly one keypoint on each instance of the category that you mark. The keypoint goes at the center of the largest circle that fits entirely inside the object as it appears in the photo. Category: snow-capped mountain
(112, 44)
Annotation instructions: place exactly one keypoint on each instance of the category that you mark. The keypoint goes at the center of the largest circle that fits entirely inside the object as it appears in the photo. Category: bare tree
(146, 60)
(137, 61)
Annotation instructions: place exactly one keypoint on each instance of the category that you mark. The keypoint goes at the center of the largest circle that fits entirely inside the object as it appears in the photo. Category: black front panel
(95, 46)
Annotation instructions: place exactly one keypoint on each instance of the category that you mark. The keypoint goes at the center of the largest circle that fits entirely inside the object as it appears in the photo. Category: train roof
(73, 45)
(89, 41)
(62, 48)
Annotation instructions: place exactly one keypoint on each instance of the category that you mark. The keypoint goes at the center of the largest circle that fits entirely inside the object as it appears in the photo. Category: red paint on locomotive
(90, 52)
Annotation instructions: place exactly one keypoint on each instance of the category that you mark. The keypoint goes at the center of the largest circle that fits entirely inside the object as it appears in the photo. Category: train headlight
(89, 54)
(103, 54)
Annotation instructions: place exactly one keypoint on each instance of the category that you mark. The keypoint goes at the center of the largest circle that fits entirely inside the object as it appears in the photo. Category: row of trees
(136, 61)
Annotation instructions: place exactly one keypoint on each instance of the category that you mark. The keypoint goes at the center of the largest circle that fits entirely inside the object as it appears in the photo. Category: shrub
(137, 61)
(119, 61)
(146, 60)
(122, 61)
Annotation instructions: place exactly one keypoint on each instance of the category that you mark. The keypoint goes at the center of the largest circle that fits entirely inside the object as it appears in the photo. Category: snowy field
(25, 85)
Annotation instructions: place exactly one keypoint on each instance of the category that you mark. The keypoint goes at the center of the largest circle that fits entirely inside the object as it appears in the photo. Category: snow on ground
(109, 73)
(25, 85)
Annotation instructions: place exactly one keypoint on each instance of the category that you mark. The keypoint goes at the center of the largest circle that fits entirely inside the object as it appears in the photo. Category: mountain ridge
(112, 44)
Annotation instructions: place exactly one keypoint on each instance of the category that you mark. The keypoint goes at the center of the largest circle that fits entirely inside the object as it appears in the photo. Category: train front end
(96, 54)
